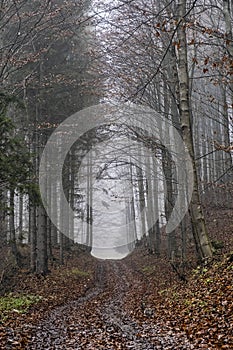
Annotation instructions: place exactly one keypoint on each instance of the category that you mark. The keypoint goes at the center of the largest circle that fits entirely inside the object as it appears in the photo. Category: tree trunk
(3, 222)
(20, 237)
(72, 193)
(54, 231)
(13, 244)
(32, 235)
(89, 201)
(61, 250)
(132, 217)
(149, 204)
(32, 206)
(42, 258)
(141, 193)
(204, 247)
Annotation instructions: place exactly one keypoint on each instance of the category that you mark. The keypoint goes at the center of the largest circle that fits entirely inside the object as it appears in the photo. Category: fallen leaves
(37, 296)
(135, 303)
(204, 307)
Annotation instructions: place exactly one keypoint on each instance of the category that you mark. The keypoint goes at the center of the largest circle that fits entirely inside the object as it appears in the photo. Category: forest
(116, 174)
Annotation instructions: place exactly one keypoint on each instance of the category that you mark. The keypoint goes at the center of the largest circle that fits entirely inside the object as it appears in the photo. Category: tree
(155, 33)
(44, 63)
(202, 241)
(15, 166)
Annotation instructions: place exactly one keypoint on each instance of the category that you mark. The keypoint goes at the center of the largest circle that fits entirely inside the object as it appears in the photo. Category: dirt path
(101, 320)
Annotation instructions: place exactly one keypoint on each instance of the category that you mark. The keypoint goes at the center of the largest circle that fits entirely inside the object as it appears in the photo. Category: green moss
(77, 272)
(209, 281)
(148, 269)
(163, 291)
(187, 302)
(19, 304)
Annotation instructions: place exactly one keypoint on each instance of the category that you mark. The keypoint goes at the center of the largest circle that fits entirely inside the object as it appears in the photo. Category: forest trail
(103, 319)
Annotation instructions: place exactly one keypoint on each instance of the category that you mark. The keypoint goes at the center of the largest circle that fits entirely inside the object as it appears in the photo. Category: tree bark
(13, 243)
(21, 237)
(203, 245)
(3, 221)
(42, 258)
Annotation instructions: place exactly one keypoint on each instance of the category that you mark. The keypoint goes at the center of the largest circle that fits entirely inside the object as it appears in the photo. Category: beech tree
(200, 230)
(156, 56)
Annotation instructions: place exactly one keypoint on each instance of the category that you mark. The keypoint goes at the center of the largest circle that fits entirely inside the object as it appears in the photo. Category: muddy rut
(101, 320)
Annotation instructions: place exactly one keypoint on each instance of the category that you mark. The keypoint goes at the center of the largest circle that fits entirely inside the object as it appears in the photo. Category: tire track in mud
(100, 320)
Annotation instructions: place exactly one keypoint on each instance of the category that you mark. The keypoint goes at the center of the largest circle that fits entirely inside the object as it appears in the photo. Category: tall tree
(202, 241)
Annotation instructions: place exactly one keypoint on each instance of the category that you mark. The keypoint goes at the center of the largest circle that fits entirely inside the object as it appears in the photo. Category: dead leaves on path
(200, 311)
(64, 283)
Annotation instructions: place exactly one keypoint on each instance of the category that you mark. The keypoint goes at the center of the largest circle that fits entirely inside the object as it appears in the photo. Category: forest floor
(127, 304)
(134, 303)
